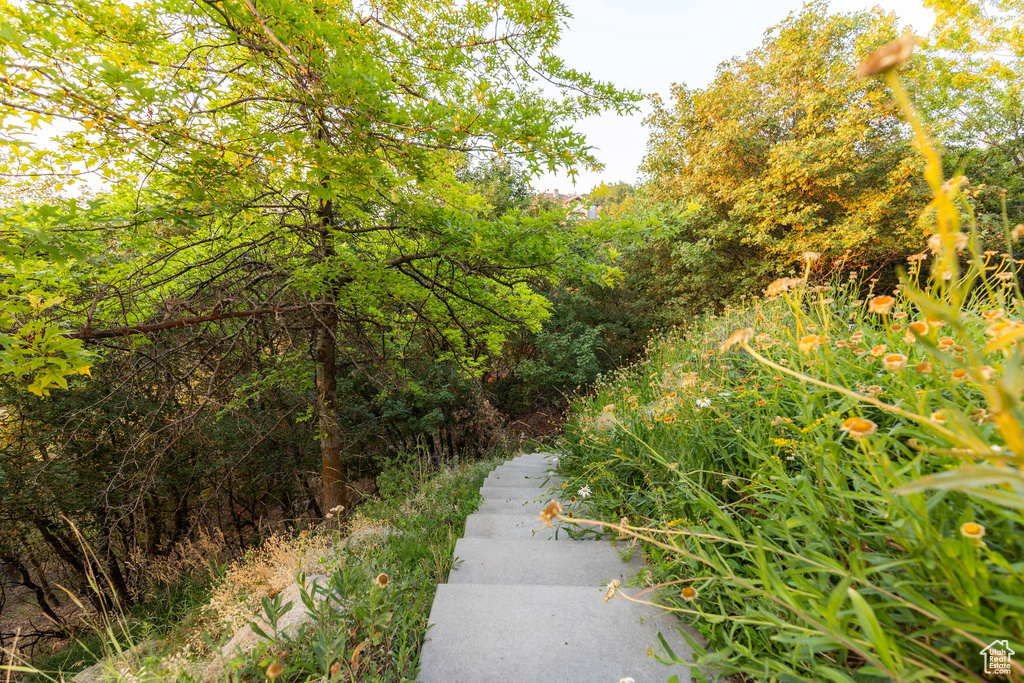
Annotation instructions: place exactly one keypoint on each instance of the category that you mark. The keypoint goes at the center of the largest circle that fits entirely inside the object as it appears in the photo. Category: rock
(246, 639)
(112, 668)
(371, 533)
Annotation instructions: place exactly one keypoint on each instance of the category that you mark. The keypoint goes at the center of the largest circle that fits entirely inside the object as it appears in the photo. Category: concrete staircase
(525, 603)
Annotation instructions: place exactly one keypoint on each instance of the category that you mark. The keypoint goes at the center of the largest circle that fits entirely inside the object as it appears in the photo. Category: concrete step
(525, 469)
(546, 458)
(512, 525)
(523, 493)
(516, 501)
(521, 462)
(512, 506)
(519, 478)
(523, 634)
(508, 561)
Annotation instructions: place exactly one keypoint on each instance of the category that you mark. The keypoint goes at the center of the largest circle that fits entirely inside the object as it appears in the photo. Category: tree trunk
(327, 409)
(327, 377)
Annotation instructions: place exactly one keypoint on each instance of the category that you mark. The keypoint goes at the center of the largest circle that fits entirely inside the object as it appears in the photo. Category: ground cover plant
(827, 480)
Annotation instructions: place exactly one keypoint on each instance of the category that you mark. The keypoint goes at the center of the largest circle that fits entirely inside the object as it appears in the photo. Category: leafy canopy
(249, 157)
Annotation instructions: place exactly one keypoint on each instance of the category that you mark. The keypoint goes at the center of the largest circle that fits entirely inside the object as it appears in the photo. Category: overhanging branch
(88, 335)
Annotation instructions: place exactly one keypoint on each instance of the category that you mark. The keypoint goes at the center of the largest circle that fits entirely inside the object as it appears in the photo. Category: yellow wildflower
(859, 427)
(881, 305)
(553, 509)
(894, 362)
(972, 530)
(809, 343)
(892, 55)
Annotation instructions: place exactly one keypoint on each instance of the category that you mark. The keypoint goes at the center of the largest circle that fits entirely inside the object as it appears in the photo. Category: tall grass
(828, 480)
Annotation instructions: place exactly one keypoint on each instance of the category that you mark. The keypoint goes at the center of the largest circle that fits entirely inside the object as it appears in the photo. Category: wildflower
(959, 375)
(627, 679)
(1005, 275)
(894, 362)
(878, 350)
(382, 580)
(584, 492)
(613, 586)
(954, 184)
(811, 256)
(1017, 232)
(893, 55)
(809, 343)
(761, 403)
(550, 512)
(972, 530)
(986, 372)
(992, 316)
(915, 330)
(874, 390)
(899, 315)
(703, 403)
(881, 305)
(939, 417)
(739, 337)
(859, 427)
(275, 670)
(608, 408)
(781, 285)
(1002, 328)
(959, 241)
(668, 419)
(689, 594)
(923, 368)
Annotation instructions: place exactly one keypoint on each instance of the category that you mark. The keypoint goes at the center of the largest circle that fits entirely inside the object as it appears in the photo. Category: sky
(648, 45)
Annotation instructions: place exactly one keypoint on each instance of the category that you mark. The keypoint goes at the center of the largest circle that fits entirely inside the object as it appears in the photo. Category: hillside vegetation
(827, 479)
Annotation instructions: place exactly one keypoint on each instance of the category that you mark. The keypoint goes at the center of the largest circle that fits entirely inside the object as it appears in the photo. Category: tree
(295, 161)
(787, 151)
(972, 93)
